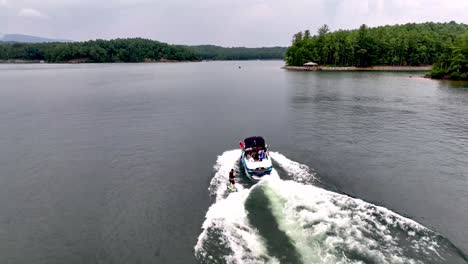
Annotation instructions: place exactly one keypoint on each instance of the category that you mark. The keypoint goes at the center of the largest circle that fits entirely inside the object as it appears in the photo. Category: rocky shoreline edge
(373, 68)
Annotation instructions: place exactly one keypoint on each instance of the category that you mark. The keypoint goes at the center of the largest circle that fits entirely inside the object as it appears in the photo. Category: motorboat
(255, 158)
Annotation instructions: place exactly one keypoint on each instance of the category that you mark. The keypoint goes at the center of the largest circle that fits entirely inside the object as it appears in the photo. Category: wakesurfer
(231, 185)
(232, 176)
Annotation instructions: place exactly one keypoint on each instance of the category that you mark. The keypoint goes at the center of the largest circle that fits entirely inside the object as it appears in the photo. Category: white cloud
(222, 22)
(29, 12)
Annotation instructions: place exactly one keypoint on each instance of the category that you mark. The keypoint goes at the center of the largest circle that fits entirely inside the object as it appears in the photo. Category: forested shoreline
(128, 50)
(211, 52)
(118, 50)
(444, 45)
(454, 62)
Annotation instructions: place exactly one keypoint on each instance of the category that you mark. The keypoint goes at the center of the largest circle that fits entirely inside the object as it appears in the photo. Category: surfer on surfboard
(232, 182)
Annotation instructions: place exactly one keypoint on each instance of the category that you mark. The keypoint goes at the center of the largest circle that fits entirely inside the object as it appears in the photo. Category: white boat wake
(287, 221)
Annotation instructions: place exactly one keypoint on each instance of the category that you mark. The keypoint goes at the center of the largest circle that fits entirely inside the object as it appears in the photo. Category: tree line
(398, 45)
(130, 50)
(118, 50)
(453, 64)
(210, 52)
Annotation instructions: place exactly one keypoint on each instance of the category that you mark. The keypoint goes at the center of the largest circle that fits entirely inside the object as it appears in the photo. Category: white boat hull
(255, 170)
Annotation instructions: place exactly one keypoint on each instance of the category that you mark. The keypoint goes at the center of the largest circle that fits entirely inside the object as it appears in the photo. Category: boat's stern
(255, 170)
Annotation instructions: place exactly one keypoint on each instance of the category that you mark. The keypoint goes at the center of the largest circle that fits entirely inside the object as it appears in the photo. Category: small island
(409, 47)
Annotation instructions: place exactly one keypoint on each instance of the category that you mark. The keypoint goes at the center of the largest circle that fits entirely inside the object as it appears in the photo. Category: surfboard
(231, 188)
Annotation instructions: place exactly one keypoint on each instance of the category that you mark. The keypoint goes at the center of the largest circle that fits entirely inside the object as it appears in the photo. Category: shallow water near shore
(127, 163)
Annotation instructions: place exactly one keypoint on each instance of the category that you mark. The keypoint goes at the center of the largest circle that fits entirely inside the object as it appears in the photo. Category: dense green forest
(399, 45)
(453, 63)
(210, 52)
(118, 50)
(130, 50)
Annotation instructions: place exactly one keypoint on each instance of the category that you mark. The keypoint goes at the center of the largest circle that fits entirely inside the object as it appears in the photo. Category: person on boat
(250, 157)
(261, 155)
(241, 144)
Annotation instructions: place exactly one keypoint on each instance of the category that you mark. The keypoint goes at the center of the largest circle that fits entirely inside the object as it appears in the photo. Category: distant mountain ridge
(29, 39)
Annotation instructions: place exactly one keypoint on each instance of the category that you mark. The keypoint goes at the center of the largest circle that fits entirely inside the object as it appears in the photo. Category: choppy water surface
(113, 163)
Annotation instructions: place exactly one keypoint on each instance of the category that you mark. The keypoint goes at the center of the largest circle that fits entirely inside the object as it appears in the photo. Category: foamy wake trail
(327, 227)
(227, 235)
(322, 226)
(299, 172)
(225, 162)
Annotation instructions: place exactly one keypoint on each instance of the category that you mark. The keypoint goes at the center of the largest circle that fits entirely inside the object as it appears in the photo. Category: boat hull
(256, 173)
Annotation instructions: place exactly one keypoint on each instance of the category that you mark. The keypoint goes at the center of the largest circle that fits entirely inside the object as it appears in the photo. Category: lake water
(127, 163)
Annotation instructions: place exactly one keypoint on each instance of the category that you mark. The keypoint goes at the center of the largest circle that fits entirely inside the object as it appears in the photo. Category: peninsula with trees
(409, 46)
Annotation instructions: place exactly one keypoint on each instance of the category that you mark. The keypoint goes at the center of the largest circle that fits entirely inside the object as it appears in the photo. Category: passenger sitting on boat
(261, 155)
(255, 156)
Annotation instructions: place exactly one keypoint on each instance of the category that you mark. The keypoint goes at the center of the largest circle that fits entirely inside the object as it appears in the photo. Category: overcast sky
(250, 23)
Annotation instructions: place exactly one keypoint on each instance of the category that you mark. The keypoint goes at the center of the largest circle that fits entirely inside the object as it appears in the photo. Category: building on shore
(312, 66)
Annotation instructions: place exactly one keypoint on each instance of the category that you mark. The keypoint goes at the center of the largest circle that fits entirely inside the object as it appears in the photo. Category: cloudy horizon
(249, 23)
